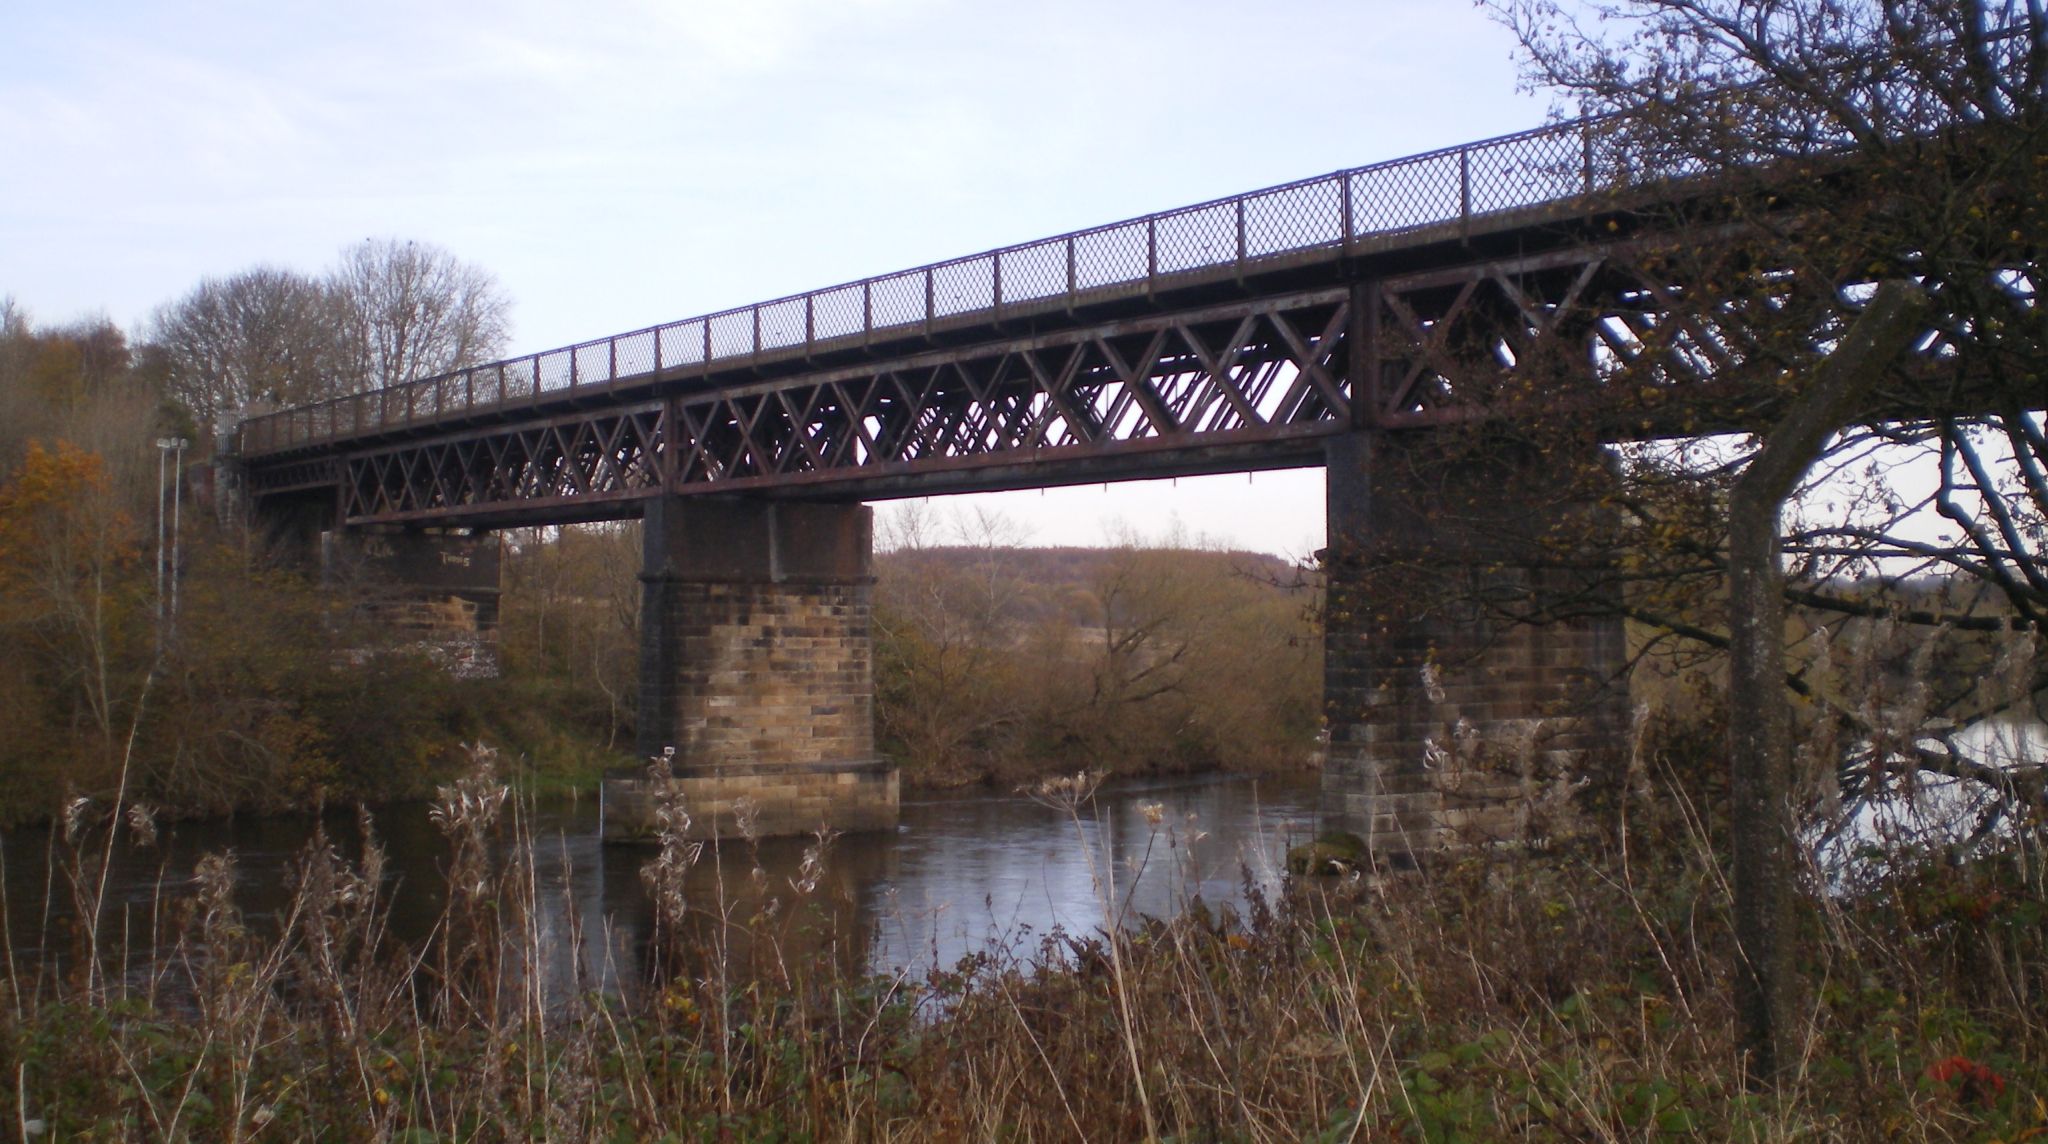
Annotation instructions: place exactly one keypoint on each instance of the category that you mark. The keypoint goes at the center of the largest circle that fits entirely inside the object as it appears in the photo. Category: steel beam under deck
(1248, 385)
(1582, 332)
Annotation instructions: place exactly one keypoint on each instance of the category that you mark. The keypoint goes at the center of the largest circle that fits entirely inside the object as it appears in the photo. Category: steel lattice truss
(1590, 331)
(1263, 378)
(1613, 333)
(585, 465)
(1255, 372)
(1401, 204)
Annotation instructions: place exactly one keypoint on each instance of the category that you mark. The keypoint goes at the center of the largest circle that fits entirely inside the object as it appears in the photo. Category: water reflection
(1932, 811)
(963, 873)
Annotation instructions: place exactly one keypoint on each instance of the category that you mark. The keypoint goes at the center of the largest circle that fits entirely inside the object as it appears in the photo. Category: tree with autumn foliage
(72, 597)
(242, 703)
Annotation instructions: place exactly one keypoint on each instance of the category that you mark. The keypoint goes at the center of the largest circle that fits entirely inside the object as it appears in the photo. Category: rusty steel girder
(1245, 385)
(578, 467)
(1558, 172)
(1612, 335)
(1595, 332)
(1588, 328)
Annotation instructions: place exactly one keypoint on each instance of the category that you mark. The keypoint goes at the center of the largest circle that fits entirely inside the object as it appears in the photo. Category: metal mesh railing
(1169, 249)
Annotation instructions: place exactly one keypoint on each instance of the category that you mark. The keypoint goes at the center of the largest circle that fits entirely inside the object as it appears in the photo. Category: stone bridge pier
(756, 669)
(1474, 652)
(439, 589)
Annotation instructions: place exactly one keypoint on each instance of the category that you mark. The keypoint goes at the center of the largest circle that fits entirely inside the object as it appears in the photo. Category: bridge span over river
(1337, 321)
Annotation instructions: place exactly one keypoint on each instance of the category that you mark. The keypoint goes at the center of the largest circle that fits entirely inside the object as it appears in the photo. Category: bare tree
(412, 310)
(1760, 743)
(1817, 147)
(1845, 142)
(389, 311)
(945, 635)
(24, 415)
(1855, 140)
(263, 335)
(15, 333)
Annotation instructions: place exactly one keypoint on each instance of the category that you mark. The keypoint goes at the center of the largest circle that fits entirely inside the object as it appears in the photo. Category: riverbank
(1007, 776)
(1572, 991)
(959, 870)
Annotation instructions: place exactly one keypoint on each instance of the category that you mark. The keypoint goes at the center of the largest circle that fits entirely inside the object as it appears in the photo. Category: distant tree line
(997, 662)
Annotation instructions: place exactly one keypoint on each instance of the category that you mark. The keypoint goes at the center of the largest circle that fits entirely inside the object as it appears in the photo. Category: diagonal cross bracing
(1149, 386)
(1593, 331)
(1385, 207)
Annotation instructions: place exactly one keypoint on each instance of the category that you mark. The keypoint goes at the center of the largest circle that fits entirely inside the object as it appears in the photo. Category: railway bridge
(1343, 321)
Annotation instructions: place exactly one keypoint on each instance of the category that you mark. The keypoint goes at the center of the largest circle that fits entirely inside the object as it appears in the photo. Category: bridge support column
(756, 668)
(1452, 719)
(440, 589)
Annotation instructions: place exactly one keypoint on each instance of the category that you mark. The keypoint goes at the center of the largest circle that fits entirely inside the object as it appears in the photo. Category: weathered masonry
(440, 589)
(756, 664)
(1449, 719)
(1355, 320)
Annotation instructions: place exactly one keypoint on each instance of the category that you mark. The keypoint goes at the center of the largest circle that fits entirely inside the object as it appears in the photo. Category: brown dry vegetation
(999, 663)
(269, 694)
(1572, 990)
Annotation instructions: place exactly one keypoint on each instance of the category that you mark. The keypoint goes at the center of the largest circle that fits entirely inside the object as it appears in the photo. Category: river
(964, 873)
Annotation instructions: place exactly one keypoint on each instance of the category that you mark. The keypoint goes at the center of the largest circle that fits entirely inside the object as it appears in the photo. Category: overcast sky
(620, 163)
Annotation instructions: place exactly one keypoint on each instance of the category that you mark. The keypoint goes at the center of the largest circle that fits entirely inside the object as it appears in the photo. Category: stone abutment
(1474, 652)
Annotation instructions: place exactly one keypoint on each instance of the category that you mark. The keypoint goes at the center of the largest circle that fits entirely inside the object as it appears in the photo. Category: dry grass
(1574, 990)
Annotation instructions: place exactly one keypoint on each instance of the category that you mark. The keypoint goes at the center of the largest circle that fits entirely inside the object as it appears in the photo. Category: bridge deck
(1232, 335)
(1298, 228)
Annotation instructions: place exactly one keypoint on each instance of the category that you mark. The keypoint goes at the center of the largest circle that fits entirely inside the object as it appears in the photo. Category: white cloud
(622, 162)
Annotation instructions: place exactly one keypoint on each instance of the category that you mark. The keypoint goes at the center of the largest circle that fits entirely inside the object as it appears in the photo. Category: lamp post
(172, 449)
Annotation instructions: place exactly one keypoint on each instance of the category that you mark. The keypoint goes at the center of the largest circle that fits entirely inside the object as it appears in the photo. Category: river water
(965, 873)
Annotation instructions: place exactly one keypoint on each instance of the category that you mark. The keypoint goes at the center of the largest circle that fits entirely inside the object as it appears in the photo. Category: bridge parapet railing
(1373, 205)
(1232, 235)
